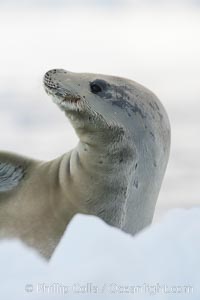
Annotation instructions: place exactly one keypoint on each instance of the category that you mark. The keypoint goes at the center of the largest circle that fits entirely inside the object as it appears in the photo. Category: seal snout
(54, 72)
(49, 81)
(58, 85)
(51, 78)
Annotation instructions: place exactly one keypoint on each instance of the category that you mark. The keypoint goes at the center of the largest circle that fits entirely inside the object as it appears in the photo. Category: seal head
(129, 126)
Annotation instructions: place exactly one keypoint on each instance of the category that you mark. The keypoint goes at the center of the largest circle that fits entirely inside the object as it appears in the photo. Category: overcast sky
(100, 3)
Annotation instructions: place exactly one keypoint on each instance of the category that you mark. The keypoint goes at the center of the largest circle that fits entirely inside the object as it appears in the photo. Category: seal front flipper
(22, 202)
(32, 206)
(12, 171)
(10, 176)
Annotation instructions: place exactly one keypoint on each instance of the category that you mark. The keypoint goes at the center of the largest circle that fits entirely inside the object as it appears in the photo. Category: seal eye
(98, 86)
(95, 88)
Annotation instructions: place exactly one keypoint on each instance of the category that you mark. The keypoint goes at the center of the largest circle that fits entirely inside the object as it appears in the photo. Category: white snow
(96, 260)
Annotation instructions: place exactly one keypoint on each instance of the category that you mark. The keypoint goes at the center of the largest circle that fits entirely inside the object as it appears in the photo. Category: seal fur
(115, 172)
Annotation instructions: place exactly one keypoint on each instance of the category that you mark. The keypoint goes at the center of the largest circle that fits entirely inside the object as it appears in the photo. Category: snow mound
(95, 260)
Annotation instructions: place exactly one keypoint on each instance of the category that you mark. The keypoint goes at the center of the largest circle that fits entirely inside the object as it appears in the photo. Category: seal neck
(101, 169)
